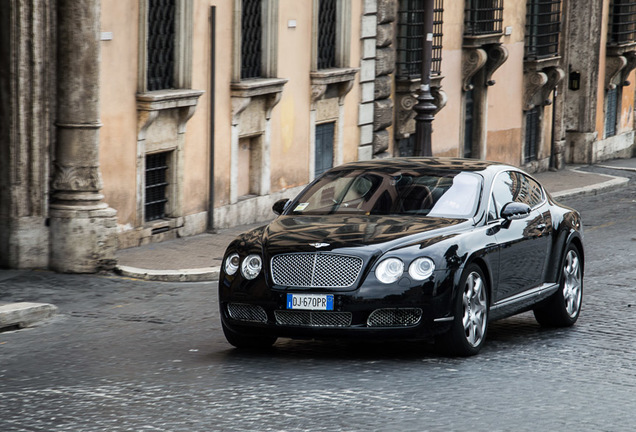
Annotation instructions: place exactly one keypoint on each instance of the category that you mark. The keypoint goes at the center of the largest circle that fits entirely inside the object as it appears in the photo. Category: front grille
(319, 270)
(247, 312)
(313, 319)
(394, 317)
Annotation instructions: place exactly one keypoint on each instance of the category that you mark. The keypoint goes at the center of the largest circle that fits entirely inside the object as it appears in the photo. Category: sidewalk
(198, 258)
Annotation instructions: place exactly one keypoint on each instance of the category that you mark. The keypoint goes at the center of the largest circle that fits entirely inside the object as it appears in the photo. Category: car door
(523, 243)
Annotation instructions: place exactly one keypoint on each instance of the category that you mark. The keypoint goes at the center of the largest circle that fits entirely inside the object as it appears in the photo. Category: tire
(243, 341)
(470, 325)
(563, 308)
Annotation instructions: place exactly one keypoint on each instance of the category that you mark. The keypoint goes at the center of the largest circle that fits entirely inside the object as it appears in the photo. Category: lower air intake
(247, 312)
(313, 319)
(394, 317)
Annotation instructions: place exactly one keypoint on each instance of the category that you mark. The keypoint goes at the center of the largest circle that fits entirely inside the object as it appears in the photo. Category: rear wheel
(244, 341)
(562, 309)
(468, 331)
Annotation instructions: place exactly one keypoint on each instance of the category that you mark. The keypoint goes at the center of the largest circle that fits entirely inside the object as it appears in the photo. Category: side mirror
(279, 206)
(515, 210)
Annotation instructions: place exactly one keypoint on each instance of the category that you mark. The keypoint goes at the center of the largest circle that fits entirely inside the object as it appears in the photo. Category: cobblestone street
(126, 355)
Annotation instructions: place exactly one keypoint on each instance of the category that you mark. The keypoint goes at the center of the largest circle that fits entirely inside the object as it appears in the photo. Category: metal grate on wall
(482, 17)
(155, 198)
(622, 22)
(251, 39)
(160, 44)
(327, 34)
(543, 26)
(532, 134)
(409, 38)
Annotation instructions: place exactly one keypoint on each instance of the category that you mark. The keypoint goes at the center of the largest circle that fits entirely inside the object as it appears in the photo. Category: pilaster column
(83, 227)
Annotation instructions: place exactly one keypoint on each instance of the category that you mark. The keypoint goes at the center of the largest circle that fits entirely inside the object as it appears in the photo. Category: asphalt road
(126, 355)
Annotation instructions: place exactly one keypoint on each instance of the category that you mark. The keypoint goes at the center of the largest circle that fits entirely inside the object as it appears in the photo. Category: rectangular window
(532, 134)
(161, 44)
(250, 160)
(324, 147)
(251, 39)
(409, 38)
(327, 34)
(482, 17)
(155, 199)
(622, 22)
(468, 123)
(611, 112)
(543, 26)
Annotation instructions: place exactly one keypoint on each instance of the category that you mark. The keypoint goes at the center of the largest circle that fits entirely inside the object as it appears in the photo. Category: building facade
(128, 122)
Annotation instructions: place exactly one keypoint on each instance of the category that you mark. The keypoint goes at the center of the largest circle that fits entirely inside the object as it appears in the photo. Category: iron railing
(156, 183)
(409, 38)
(483, 17)
(251, 39)
(543, 27)
(160, 45)
(327, 34)
(622, 22)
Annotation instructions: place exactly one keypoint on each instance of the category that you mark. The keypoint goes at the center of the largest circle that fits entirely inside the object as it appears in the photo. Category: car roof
(432, 163)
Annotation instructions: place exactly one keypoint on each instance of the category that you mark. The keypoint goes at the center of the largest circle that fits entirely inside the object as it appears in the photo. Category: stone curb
(613, 183)
(25, 314)
(206, 274)
(211, 274)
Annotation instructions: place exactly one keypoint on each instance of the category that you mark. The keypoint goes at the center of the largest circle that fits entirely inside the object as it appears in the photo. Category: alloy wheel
(474, 309)
(572, 287)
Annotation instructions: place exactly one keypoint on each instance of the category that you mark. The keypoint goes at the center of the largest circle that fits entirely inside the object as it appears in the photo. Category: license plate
(310, 301)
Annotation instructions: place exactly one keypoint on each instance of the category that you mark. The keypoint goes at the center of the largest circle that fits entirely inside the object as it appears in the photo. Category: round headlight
(389, 270)
(251, 266)
(232, 264)
(421, 268)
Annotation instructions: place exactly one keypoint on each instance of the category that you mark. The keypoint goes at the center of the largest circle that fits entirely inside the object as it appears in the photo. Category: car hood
(325, 233)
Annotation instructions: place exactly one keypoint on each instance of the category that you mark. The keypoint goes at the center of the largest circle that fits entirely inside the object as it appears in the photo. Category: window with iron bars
(612, 99)
(533, 131)
(622, 22)
(251, 39)
(483, 17)
(160, 49)
(409, 38)
(327, 34)
(543, 26)
(155, 198)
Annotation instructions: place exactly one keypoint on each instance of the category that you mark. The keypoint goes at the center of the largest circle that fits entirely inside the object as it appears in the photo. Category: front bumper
(263, 310)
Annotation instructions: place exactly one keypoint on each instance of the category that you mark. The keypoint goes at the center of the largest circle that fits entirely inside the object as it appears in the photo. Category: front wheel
(562, 309)
(468, 331)
(243, 341)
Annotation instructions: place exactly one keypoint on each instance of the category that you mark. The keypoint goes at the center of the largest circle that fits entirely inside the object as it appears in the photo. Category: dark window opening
(327, 34)
(611, 112)
(160, 49)
(156, 184)
(543, 26)
(533, 131)
(622, 22)
(324, 147)
(409, 38)
(251, 39)
(482, 17)
(468, 123)
(406, 146)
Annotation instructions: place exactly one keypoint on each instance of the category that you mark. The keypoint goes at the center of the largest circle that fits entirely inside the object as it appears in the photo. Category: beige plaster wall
(118, 135)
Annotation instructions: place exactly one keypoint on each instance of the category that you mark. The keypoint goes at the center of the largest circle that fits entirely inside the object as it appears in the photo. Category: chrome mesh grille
(313, 319)
(394, 317)
(319, 270)
(247, 312)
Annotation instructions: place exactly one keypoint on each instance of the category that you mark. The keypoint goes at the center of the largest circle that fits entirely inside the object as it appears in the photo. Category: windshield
(412, 192)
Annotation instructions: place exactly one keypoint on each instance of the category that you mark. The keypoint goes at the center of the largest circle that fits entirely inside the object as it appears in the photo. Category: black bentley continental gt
(405, 248)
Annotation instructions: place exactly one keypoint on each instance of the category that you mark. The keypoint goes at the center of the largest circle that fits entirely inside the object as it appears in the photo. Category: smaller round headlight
(389, 270)
(232, 264)
(251, 266)
(421, 268)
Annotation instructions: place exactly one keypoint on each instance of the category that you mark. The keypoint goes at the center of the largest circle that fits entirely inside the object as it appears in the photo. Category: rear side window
(515, 186)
